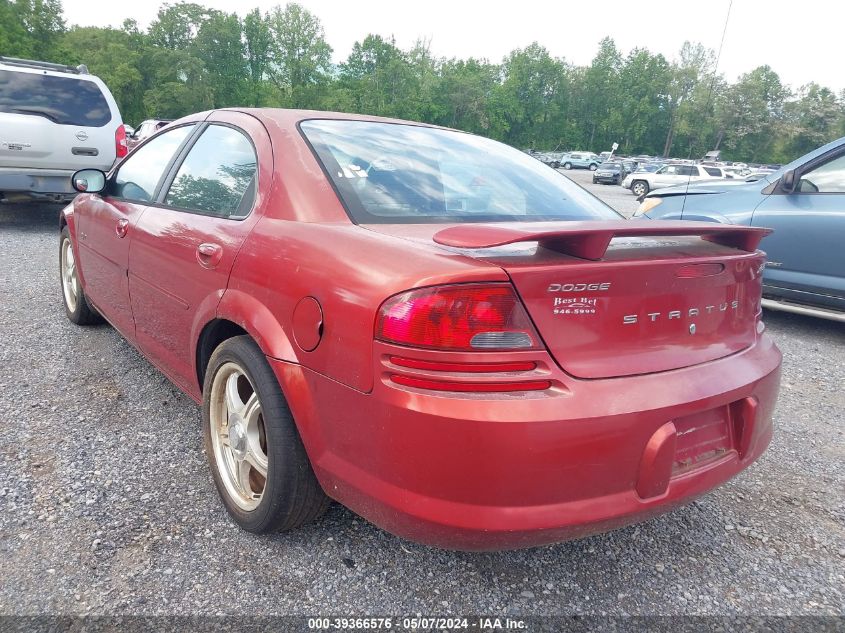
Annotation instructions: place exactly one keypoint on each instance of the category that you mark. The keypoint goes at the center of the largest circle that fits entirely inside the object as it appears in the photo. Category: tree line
(194, 58)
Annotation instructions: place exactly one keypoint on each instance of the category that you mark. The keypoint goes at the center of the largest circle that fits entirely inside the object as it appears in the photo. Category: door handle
(122, 227)
(209, 255)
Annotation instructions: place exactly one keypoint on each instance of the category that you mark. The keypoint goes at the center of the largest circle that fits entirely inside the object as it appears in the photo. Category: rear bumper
(488, 472)
(36, 182)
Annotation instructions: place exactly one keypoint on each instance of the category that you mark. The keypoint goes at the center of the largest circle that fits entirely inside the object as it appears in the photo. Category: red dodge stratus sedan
(432, 328)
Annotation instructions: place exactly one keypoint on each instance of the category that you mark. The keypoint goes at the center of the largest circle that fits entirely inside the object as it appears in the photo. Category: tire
(639, 188)
(593, 167)
(594, 181)
(77, 308)
(555, 165)
(291, 496)
(567, 165)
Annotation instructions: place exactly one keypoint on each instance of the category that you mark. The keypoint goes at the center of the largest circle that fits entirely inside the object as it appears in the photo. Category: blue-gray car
(580, 160)
(804, 202)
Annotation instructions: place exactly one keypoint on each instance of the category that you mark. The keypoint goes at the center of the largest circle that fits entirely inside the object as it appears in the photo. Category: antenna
(710, 93)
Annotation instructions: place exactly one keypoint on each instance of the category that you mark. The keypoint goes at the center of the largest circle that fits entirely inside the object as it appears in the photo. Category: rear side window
(62, 100)
(139, 174)
(217, 177)
(394, 173)
(713, 171)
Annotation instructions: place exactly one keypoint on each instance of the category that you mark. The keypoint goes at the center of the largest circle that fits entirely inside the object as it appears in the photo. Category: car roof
(289, 117)
(70, 73)
(16, 63)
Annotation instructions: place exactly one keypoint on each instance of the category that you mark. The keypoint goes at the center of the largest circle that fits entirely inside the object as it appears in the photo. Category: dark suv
(610, 173)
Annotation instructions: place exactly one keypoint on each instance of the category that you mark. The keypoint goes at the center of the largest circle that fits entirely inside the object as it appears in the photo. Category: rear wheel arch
(237, 314)
(212, 335)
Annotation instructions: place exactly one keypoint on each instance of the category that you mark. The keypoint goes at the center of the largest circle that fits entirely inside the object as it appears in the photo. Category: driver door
(805, 253)
(665, 176)
(105, 225)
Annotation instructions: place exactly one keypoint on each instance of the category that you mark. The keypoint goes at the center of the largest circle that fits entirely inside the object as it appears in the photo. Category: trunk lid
(622, 298)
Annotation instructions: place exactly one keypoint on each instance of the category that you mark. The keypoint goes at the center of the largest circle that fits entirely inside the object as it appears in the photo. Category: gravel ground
(107, 506)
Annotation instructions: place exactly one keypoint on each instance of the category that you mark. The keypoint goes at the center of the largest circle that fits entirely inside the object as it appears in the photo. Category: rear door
(52, 121)
(106, 224)
(805, 252)
(187, 240)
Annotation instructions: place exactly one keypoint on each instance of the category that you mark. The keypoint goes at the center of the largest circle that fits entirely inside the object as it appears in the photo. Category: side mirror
(788, 181)
(89, 181)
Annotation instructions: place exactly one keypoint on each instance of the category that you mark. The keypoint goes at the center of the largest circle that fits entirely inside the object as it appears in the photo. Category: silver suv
(54, 120)
(641, 182)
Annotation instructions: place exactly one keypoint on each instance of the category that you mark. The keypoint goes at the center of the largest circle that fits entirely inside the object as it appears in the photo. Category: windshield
(610, 166)
(394, 173)
(63, 100)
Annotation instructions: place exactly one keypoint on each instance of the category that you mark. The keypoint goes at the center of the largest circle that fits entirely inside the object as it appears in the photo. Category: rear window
(392, 173)
(63, 100)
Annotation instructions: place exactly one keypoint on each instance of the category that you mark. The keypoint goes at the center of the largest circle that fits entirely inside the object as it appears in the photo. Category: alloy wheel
(238, 436)
(70, 280)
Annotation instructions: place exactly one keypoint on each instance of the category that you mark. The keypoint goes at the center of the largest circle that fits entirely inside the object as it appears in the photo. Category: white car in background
(54, 120)
(640, 182)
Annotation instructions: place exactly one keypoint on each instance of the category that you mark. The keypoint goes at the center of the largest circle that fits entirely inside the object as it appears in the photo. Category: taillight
(120, 146)
(465, 317)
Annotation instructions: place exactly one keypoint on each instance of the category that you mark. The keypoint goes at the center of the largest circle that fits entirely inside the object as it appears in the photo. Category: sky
(801, 42)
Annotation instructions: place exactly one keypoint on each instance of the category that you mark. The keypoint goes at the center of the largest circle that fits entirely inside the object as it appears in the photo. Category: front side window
(827, 178)
(138, 176)
(394, 173)
(62, 100)
(217, 177)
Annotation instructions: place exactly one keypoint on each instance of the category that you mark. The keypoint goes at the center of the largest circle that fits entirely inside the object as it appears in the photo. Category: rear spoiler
(589, 240)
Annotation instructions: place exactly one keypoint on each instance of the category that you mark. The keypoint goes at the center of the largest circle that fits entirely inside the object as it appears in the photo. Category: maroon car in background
(145, 130)
(430, 327)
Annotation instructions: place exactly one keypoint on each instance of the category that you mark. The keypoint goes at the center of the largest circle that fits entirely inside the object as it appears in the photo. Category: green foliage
(300, 57)
(194, 58)
(220, 47)
(14, 39)
(257, 43)
(178, 24)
